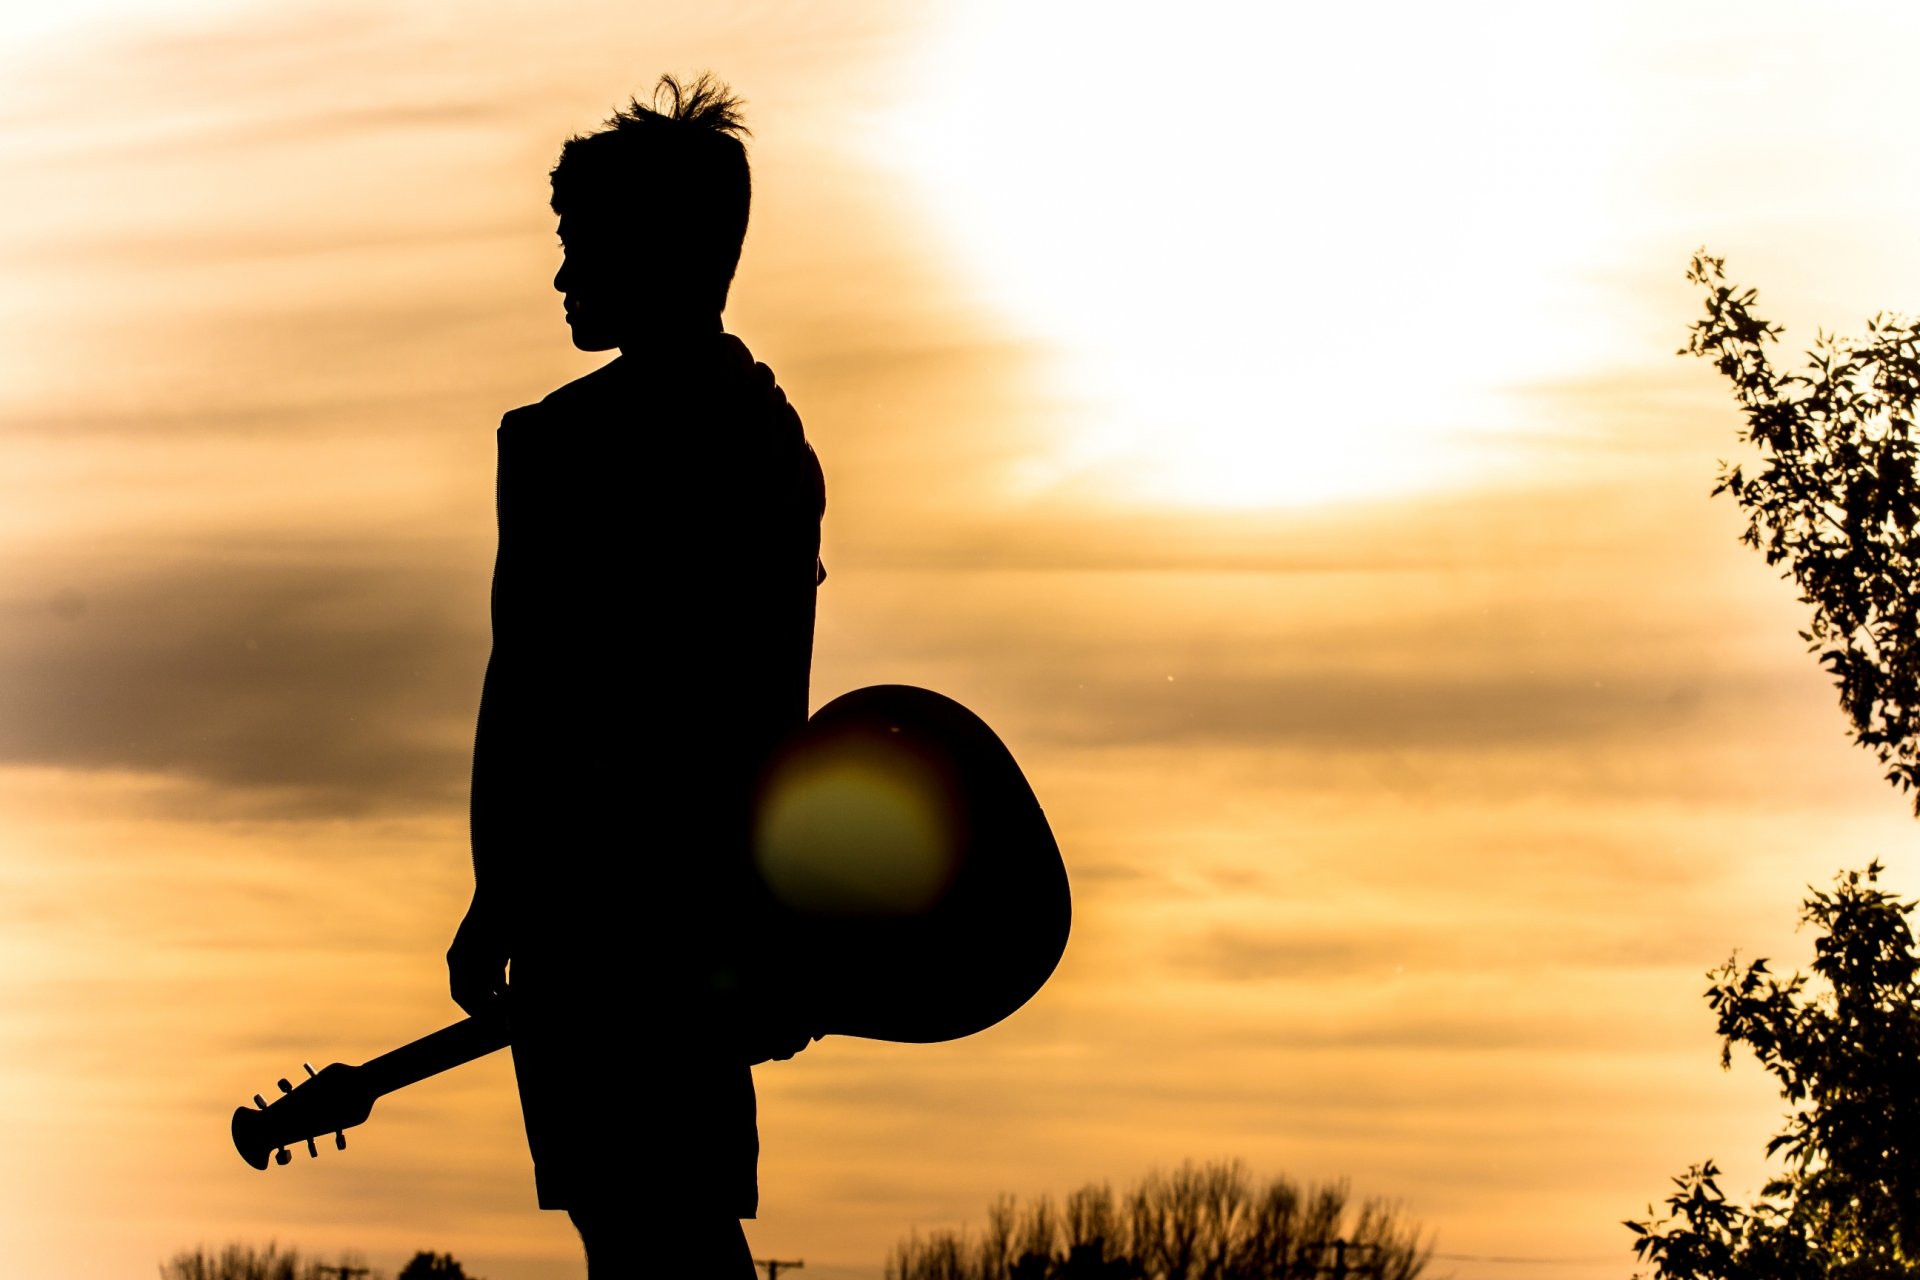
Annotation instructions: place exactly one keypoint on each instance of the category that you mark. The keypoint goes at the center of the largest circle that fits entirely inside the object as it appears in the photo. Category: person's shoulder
(774, 424)
(588, 388)
(771, 433)
(573, 398)
(587, 392)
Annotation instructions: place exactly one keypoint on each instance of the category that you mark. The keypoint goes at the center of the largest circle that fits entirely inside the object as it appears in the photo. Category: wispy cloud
(318, 687)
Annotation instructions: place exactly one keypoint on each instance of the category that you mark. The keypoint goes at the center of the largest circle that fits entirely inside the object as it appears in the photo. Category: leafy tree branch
(1835, 497)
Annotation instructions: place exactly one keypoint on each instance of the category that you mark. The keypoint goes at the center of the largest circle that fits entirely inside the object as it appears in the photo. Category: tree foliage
(1836, 498)
(434, 1266)
(1208, 1221)
(1845, 1048)
(247, 1262)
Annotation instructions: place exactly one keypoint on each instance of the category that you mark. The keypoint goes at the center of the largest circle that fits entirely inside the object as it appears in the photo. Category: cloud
(1463, 946)
(283, 683)
(1386, 662)
(346, 674)
(253, 412)
(1322, 705)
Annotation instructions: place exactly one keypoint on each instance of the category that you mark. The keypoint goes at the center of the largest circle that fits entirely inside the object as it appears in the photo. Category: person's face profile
(598, 283)
(622, 281)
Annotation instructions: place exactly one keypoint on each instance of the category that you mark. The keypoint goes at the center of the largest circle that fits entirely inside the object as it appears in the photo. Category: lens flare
(857, 832)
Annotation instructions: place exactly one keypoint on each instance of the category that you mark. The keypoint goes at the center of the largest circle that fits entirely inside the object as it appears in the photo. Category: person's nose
(560, 278)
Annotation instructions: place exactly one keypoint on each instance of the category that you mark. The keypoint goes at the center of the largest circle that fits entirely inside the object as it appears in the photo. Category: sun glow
(1279, 260)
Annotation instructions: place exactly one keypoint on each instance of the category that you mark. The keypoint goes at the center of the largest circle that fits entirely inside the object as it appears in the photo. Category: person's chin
(588, 338)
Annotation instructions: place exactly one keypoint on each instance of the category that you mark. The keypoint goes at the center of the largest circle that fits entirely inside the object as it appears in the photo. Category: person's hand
(779, 1020)
(762, 1018)
(477, 962)
(778, 1040)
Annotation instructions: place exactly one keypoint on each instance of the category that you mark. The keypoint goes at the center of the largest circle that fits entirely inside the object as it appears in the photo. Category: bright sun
(1280, 260)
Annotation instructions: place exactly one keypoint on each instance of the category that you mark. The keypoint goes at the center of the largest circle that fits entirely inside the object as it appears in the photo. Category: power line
(1342, 1269)
(1339, 1270)
(1535, 1262)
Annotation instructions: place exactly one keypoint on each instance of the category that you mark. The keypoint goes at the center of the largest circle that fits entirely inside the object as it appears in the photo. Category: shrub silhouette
(249, 1262)
(1208, 1221)
(434, 1266)
(1847, 1205)
(1835, 497)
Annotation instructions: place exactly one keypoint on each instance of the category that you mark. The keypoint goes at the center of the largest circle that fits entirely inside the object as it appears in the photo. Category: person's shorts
(624, 1108)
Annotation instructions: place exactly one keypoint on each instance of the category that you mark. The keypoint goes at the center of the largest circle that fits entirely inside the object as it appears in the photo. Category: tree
(1209, 1221)
(1836, 498)
(236, 1262)
(434, 1266)
(1847, 1058)
(249, 1262)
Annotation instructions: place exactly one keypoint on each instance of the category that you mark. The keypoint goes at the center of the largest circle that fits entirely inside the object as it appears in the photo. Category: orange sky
(1267, 419)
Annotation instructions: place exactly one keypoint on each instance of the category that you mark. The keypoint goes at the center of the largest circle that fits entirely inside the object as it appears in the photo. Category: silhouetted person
(653, 609)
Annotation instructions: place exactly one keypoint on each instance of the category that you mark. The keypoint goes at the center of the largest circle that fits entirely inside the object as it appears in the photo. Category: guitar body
(920, 889)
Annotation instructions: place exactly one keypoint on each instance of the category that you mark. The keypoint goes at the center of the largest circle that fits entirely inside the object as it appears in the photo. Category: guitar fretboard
(433, 1053)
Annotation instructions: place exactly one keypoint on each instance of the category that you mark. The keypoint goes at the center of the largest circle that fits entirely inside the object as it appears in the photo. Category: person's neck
(655, 344)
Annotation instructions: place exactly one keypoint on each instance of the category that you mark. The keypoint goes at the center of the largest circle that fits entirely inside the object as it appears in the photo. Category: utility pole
(775, 1266)
(1339, 1270)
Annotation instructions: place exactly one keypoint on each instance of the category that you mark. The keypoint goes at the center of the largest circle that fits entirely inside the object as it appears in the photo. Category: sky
(1266, 417)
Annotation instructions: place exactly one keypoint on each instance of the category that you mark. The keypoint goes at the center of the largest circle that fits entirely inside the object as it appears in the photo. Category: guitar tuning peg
(339, 1140)
(259, 1102)
(282, 1156)
(310, 1071)
(312, 1151)
(284, 1086)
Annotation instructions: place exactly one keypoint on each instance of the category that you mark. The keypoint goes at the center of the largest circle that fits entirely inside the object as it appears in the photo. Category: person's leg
(632, 1244)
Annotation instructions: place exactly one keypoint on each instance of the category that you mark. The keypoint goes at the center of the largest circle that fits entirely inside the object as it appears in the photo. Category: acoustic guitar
(918, 887)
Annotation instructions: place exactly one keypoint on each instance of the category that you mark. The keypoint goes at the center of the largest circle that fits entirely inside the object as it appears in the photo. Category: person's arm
(774, 576)
(477, 960)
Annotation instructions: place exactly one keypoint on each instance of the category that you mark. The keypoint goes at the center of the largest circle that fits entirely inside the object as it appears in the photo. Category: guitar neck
(433, 1053)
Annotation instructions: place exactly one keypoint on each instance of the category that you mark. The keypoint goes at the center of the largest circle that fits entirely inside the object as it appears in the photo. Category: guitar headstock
(331, 1100)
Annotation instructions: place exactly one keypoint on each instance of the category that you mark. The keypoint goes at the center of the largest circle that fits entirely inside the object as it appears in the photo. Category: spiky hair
(678, 168)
